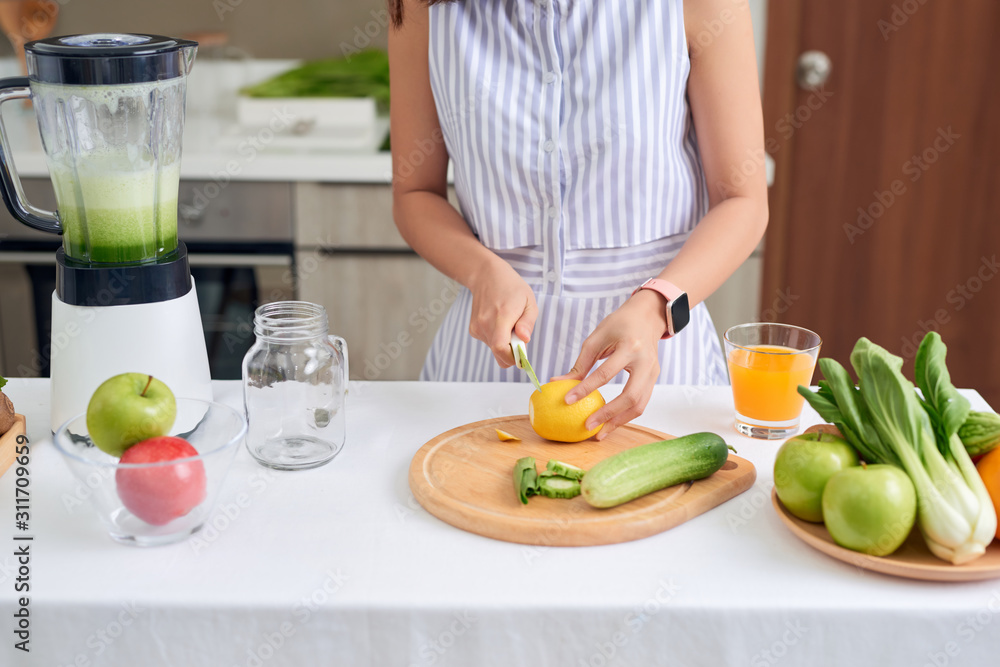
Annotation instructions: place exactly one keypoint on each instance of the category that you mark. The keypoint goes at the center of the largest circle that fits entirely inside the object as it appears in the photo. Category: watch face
(680, 314)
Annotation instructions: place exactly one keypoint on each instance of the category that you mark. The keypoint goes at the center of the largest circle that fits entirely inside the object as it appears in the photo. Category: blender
(110, 110)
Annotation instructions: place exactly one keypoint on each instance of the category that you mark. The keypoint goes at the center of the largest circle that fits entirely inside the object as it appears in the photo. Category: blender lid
(108, 58)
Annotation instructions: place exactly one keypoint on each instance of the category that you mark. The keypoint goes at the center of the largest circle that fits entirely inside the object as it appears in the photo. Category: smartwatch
(678, 309)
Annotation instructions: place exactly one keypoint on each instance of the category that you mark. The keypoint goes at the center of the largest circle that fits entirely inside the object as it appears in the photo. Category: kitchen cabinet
(384, 299)
(18, 340)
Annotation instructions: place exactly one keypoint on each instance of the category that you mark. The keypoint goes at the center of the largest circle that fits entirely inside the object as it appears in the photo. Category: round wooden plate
(464, 477)
(913, 560)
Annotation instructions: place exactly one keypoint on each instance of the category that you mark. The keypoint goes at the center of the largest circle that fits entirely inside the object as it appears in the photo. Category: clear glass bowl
(214, 430)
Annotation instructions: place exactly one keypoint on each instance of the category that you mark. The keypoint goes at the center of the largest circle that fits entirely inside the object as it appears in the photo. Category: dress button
(551, 276)
(549, 77)
(553, 211)
(549, 146)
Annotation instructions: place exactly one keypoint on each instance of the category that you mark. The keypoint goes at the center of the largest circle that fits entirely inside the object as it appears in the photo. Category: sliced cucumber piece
(558, 487)
(525, 478)
(564, 469)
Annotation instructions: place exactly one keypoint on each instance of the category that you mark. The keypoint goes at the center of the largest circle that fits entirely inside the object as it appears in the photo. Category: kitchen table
(340, 566)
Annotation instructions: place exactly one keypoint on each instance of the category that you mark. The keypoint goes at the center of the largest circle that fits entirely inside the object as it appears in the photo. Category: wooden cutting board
(8, 443)
(465, 478)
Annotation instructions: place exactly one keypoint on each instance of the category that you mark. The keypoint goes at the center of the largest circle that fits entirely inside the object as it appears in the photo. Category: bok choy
(887, 422)
(948, 410)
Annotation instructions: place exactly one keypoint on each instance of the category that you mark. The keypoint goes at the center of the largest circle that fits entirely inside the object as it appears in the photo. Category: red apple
(160, 494)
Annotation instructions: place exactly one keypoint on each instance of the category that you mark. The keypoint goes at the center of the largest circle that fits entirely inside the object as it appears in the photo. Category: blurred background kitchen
(879, 124)
(257, 28)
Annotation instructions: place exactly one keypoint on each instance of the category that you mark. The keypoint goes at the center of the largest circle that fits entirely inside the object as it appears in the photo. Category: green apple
(802, 467)
(870, 509)
(129, 408)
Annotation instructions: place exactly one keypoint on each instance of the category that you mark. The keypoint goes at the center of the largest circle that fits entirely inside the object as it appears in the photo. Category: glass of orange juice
(767, 362)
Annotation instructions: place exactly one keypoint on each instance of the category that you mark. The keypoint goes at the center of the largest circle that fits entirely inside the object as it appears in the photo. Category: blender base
(91, 344)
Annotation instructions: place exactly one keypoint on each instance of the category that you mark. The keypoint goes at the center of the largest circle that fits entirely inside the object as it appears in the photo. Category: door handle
(813, 69)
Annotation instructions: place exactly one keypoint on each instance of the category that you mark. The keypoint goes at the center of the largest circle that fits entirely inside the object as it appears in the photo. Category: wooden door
(885, 211)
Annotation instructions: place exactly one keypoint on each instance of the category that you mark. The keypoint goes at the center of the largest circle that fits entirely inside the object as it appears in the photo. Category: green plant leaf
(892, 404)
(2, 382)
(947, 408)
(839, 402)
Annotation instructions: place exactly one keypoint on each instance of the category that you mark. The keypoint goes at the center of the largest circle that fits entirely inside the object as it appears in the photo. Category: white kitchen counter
(340, 566)
(216, 149)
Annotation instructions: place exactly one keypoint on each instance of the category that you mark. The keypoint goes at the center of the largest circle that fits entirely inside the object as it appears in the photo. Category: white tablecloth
(340, 566)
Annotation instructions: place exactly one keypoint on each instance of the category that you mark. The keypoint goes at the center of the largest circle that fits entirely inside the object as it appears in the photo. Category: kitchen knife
(520, 353)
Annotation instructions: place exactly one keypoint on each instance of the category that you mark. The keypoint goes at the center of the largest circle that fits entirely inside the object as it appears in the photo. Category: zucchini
(525, 478)
(980, 432)
(647, 468)
(564, 469)
(555, 486)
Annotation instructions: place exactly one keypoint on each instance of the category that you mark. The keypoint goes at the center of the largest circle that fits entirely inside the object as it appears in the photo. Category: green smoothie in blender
(115, 172)
(118, 216)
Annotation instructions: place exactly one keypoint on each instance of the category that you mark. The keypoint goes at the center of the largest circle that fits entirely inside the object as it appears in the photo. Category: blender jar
(110, 110)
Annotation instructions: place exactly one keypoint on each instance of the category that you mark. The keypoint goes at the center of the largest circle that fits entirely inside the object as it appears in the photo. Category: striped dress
(575, 160)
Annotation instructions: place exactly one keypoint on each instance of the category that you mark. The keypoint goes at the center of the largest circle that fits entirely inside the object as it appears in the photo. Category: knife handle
(518, 349)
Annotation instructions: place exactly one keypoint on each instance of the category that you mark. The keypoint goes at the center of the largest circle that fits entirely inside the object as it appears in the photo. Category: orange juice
(765, 381)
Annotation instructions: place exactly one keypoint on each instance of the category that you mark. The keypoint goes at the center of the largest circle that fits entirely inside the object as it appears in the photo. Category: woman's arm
(502, 301)
(723, 92)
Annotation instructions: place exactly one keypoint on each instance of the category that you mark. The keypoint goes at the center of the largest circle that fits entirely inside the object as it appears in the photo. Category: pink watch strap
(664, 287)
(669, 290)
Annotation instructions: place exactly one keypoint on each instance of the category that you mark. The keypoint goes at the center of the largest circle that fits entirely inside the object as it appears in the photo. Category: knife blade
(520, 352)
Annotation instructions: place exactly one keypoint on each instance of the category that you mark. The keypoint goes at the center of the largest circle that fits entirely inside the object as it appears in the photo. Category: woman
(592, 149)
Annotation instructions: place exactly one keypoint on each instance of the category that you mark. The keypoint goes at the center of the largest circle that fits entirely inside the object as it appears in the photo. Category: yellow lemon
(504, 436)
(554, 420)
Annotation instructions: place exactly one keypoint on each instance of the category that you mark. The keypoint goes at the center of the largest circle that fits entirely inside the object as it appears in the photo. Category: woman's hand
(501, 303)
(628, 339)
(501, 300)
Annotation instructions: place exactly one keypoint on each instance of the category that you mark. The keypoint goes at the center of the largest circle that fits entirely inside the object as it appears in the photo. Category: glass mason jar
(294, 387)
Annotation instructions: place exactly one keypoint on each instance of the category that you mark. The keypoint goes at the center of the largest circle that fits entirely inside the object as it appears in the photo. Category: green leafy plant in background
(2, 382)
(364, 74)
